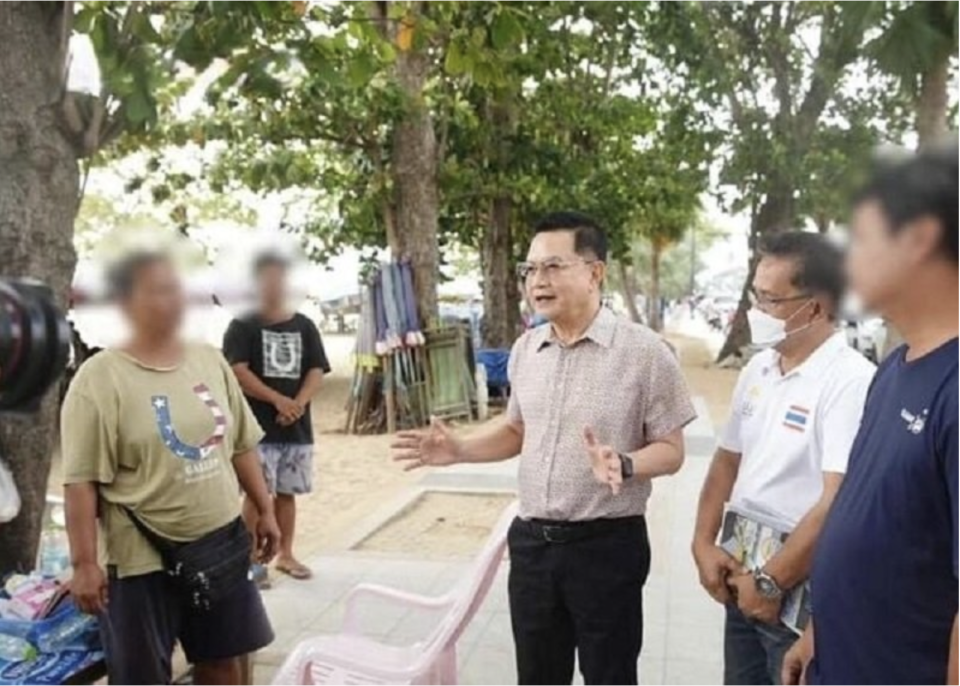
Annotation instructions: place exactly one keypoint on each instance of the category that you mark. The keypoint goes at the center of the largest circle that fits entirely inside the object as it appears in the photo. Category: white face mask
(766, 331)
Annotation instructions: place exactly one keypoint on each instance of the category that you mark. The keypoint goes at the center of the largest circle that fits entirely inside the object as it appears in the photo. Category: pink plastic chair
(351, 658)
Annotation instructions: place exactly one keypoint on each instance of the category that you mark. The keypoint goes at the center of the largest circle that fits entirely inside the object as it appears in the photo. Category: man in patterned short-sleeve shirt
(597, 411)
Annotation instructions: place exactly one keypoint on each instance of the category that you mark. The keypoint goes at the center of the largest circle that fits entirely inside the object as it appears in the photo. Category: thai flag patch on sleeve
(796, 418)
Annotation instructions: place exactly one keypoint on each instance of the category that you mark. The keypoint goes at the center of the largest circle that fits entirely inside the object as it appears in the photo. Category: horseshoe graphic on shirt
(281, 354)
(161, 411)
(275, 363)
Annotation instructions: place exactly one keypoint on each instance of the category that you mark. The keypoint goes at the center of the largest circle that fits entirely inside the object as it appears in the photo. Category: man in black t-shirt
(279, 360)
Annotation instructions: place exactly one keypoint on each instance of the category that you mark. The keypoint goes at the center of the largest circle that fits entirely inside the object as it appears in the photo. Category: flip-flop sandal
(299, 571)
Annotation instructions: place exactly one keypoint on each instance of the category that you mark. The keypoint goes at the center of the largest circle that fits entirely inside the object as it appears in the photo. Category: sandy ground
(353, 475)
(440, 525)
(705, 379)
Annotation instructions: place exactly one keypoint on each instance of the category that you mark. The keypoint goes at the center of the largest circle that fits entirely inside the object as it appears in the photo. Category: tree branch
(779, 63)
(723, 60)
(838, 47)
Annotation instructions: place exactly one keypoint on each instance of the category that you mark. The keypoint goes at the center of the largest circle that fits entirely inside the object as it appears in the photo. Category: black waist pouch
(208, 569)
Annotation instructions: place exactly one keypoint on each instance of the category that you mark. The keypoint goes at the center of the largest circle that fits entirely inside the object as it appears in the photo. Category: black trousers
(578, 589)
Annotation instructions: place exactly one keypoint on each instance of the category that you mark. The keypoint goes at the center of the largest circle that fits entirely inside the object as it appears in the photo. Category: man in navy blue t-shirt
(884, 577)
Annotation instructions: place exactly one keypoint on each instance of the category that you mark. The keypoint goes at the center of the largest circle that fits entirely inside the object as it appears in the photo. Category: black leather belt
(554, 531)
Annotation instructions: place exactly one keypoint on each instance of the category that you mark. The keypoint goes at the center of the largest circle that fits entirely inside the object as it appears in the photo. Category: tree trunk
(39, 182)
(778, 213)
(932, 103)
(389, 214)
(823, 223)
(653, 297)
(629, 291)
(739, 335)
(501, 294)
(414, 167)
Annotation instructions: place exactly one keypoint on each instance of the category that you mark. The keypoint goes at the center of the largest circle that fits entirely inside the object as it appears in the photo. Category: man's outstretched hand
(434, 446)
(604, 460)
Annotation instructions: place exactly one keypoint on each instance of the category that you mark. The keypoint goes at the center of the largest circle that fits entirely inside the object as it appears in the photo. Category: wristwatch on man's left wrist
(626, 466)
(766, 585)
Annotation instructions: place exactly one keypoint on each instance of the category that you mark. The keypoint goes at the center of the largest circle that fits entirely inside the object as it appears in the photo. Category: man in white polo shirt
(795, 412)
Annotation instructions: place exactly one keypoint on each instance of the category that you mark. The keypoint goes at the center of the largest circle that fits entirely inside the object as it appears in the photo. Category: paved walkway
(683, 627)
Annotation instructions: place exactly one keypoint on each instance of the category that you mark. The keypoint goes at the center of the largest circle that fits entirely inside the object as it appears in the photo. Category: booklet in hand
(752, 535)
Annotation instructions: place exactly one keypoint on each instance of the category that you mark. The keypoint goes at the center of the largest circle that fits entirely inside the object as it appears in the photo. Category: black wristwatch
(766, 585)
(626, 466)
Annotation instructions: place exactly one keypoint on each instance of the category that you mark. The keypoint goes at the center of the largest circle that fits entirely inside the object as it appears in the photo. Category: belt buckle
(548, 534)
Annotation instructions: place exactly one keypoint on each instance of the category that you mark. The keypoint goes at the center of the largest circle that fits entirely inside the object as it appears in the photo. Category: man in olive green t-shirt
(156, 441)
(160, 427)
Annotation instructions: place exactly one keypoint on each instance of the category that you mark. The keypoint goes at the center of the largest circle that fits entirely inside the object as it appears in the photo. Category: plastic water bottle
(73, 633)
(15, 648)
(54, 552)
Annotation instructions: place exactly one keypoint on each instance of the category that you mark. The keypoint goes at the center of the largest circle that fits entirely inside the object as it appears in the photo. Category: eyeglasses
(551, 268)
(758, 300)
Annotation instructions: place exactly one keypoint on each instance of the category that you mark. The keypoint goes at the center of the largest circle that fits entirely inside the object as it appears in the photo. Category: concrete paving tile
(316, 591)
(654, 642)
(497, 632)
(412, 575)
(293, 612)
(693, 605)
(346, 568)
(694, 641)
(489, 665)
(651, 670)
(692, 672)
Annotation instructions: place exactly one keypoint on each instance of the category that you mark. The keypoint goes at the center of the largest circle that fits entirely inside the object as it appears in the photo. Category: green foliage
(147, 52)
(529, 99)
(566, 128)
(915, 37)
(771, 91)
(614, 108)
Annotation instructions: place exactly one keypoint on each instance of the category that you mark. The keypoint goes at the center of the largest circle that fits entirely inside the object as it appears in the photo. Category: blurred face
(775, 294)
(558, 282)
(881, 263)
(272, 285)
(156, 303)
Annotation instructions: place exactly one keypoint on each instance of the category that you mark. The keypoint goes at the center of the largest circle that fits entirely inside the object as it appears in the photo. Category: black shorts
(147, 614)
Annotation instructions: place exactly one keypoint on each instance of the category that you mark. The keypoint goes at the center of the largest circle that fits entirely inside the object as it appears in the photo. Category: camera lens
(34, 344)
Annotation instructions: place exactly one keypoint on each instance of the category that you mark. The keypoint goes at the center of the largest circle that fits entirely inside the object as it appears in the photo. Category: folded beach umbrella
(414, 335)
(396, 276)
(392, 292)
(382, 348)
